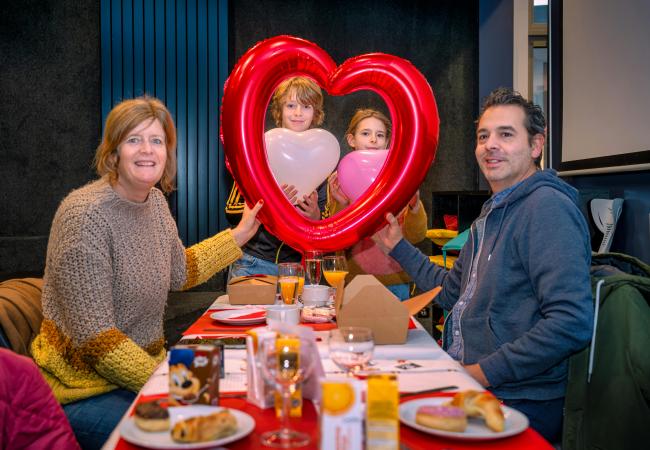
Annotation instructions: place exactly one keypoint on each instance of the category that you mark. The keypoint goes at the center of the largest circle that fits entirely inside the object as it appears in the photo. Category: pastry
(447, 418)
(150, 416)
(481, 404)
(205, 428)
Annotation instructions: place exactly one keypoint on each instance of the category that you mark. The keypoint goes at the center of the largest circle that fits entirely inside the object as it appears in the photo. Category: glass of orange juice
(289, 275)
(335, 269)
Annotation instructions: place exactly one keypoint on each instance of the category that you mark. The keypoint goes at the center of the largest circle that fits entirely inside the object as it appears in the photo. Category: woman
(113, 255)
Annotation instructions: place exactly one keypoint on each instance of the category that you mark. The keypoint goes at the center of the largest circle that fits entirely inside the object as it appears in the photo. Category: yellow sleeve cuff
(209, 257)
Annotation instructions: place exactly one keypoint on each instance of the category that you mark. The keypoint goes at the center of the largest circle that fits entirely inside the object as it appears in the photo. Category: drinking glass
(335, 269)
(289, 275)
(283, 367)
(351, 348)
(313, 263)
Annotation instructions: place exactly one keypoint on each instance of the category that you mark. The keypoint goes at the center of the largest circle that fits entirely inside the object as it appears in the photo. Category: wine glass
(283, 366)
(335, 269)
(351, 348)
(313, 263)
(289, 276)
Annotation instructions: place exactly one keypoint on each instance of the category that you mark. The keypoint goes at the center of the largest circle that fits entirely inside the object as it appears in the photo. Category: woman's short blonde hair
(122, 119)
(307, 93)
(362, 114)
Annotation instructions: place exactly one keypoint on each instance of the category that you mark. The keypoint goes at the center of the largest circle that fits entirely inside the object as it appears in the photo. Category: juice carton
(382, 412)
(341, 418)
(194, 374)
(288, 351)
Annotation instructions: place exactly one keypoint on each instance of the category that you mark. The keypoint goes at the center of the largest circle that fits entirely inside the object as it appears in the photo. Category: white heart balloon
(303, 159)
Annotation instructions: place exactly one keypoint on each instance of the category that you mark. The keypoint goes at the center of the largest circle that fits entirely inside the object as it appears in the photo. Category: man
(519, 293)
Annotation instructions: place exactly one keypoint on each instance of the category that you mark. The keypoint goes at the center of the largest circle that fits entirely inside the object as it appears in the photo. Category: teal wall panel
(177, 51)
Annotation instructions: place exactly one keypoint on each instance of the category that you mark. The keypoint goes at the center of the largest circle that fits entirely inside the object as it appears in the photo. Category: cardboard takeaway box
(368, 303)
(252, 290)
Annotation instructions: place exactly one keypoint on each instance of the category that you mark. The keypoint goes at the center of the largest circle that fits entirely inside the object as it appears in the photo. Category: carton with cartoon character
(194, 375)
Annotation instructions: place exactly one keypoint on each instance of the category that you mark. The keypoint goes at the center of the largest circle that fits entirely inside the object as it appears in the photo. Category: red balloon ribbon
(415, 120)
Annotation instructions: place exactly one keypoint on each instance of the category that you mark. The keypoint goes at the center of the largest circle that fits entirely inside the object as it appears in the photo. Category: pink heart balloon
(304, 159)
(358, 170)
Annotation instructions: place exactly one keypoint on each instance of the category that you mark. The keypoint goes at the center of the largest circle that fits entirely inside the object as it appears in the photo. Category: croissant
(481, 404)
(205, 428)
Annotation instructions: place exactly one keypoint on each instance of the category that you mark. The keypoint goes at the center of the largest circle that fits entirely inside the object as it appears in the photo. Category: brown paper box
(368, 303)
(252, 290)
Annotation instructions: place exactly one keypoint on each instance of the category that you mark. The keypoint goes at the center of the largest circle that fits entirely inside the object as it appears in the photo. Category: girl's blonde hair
(362, 114)
(307, 93)
(122, 119)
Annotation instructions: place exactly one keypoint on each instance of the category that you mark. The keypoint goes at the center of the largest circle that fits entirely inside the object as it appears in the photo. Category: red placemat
(205, 325)
(265, 420)
(416, 439)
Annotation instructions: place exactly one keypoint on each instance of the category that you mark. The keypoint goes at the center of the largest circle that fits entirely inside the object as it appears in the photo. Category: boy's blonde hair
(122, 119)
(362, 114)
(307, 93)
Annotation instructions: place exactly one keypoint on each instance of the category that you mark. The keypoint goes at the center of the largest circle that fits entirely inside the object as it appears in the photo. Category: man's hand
(477, 373)
(335, 190)
(308, 206)
(248, 224)
(389, 236)
(414, 203)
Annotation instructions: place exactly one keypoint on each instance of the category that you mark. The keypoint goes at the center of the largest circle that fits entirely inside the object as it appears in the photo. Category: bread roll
(447, 418)
(481, 404)
(205, 428)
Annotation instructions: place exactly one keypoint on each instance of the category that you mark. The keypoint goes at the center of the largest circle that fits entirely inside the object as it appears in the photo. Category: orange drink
(288, 287)
(301, 283)
(341, 418)
(335, 277)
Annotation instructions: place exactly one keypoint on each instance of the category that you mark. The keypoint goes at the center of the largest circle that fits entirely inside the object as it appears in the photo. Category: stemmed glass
(335, 269)
(291, 278)
(313, 263)
(351, 348)
(283, 366)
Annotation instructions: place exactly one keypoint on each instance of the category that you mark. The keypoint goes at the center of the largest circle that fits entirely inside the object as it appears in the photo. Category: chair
(454, 244)
(21, 313)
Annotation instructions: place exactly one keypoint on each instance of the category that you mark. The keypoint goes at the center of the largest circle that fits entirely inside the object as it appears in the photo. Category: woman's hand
(389, 236)
(248, 224)
(308, 206)
(335, 190)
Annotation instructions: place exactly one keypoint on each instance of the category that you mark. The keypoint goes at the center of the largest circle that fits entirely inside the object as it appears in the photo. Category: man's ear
(537, 145)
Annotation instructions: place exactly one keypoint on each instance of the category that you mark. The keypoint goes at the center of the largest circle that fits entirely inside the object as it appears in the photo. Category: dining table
(420, 364)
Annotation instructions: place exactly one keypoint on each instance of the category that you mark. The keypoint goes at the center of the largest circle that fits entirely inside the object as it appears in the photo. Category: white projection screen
(602, 111)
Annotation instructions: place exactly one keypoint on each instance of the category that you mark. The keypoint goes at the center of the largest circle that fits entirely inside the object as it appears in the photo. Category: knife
(429, 391)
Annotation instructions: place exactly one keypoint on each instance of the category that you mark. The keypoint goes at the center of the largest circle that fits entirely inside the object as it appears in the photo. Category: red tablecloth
(265, 420)
(206, 326)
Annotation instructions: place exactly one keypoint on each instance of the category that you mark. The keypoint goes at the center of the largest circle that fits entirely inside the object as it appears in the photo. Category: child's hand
(335, 190)
(308, 206)
(290, 191)
(248, 224)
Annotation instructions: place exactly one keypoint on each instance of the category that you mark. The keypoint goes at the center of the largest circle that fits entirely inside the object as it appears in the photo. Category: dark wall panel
(440, 38)
(50, 119)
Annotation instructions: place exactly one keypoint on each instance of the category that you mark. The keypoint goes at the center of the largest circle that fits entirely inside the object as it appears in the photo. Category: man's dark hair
(534, 120)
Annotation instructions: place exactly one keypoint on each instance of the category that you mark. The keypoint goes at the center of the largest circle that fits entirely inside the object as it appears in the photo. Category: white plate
(237, 316)
(476, 429)
(163, 439)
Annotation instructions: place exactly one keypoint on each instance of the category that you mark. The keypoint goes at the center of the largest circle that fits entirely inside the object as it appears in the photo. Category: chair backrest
(21, 313)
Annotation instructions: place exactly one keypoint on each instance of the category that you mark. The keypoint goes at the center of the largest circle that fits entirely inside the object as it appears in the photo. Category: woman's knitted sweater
(110, 264)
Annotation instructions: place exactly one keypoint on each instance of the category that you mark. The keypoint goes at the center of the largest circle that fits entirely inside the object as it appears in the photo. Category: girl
(370, 130)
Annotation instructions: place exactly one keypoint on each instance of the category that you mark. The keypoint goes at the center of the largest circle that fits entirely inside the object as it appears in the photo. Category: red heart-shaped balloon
(415, 120)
